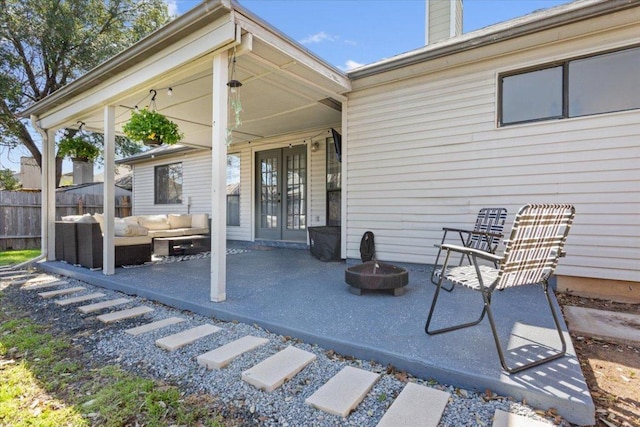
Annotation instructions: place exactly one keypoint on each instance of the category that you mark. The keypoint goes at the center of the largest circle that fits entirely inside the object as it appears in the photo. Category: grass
(47, 381)
(16, 257)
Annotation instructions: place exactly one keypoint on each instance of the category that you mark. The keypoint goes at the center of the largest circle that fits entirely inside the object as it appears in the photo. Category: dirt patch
(612, 371)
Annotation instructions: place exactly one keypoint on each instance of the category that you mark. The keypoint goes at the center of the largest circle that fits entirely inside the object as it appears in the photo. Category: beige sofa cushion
(176, 232)
(179, 221)
(154, 222)
(200, 221)
(100, 220)
(125, 229)
(78, 218)
(134, 240)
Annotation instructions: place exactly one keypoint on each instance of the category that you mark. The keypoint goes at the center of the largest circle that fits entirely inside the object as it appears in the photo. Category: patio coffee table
(181, 245)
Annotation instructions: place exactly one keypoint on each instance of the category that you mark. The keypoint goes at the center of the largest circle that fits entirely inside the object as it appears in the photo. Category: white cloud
(350, 65)
(172, 8)
(318, 38)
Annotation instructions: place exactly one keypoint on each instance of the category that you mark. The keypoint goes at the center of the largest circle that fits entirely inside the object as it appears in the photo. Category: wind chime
(235, 106)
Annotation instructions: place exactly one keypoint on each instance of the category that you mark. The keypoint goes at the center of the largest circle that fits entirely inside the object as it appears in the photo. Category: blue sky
(349, 33)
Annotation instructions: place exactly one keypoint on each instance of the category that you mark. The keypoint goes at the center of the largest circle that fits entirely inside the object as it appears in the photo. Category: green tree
(46, 44)
(8, 181)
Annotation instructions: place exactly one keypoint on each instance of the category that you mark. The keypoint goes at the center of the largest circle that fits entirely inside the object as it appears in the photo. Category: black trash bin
(325, 242)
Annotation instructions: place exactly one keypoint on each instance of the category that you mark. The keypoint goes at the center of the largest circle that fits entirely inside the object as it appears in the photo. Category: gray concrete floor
(289, 292)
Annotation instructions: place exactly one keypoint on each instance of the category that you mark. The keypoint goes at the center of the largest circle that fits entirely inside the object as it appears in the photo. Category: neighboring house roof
(87, 189)
(161, 151)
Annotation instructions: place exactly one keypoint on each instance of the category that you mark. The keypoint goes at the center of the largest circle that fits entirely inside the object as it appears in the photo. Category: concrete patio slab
(607, 325)
(289, 292)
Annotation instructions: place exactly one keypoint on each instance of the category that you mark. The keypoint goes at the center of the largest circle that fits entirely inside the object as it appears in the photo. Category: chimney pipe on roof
(443, 20)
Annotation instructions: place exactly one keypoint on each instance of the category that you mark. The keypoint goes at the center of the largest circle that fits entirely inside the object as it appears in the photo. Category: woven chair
(531, 255)
(485, 236)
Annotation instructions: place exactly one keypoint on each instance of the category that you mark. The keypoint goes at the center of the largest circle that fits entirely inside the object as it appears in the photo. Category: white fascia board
(290, 48)
(218, 35)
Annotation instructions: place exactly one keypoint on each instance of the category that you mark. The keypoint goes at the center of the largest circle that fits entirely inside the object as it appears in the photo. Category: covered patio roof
(285, 87)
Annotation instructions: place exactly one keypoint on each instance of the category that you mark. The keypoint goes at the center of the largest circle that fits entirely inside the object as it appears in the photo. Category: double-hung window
(168, 184)
(585, 86)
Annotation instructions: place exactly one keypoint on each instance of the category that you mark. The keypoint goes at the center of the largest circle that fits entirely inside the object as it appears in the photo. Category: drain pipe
(45, 200)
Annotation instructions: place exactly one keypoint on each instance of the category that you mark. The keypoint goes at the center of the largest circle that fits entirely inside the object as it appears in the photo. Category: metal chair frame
(531, 255)
(485, 236)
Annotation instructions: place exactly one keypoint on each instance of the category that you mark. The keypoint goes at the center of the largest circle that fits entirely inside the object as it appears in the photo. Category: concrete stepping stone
(124, 314)
(102, 305)
(81, 298)
(59, 292)
(29, 287)
(7, 273)
(344, 391)
(42, 278)
(154, 325)
(272, 372)
(175, 341)
(604, 324)
(506, 419)
(20, 279)
(416, 406)
(222, 356)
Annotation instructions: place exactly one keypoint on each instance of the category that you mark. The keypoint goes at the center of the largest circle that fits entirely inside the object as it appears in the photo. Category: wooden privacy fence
(20, 214)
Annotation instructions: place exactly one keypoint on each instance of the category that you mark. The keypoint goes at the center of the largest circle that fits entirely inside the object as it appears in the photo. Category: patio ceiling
(285, 89)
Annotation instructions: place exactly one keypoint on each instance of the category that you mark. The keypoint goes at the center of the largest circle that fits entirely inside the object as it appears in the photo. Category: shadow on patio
(289, 292)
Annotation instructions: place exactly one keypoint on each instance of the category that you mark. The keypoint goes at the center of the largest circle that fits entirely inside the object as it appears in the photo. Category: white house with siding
(428, 137)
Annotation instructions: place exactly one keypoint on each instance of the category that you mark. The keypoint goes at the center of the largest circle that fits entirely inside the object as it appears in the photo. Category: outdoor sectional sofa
(80, 240)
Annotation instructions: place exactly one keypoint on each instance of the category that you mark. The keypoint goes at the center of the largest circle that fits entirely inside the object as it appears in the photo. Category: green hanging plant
(151, 128)
(78, 147)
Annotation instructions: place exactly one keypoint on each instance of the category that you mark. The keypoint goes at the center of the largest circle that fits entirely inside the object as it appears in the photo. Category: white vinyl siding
(318, 185)
(425, 152)
(196, 171)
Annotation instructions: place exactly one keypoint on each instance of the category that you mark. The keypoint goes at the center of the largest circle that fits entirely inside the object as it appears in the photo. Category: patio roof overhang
(285, 88)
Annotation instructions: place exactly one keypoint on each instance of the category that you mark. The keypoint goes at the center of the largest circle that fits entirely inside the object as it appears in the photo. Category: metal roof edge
(191, 20)
(495, 34)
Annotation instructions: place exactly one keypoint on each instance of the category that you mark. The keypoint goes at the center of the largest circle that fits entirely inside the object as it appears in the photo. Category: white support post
(48, 196)
(343, 179)
(219, 179)
(108, 249)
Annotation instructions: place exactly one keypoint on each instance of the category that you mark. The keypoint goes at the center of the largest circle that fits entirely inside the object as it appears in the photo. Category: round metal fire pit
(376, 275)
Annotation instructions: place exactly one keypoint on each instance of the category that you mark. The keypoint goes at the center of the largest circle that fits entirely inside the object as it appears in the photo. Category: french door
(281, 194)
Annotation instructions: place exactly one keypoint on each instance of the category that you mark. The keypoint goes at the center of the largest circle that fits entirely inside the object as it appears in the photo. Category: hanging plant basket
(78, 148)
(151, 128)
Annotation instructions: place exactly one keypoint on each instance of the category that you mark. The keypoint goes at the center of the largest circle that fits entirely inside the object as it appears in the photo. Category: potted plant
(152, 128)
(77, 147)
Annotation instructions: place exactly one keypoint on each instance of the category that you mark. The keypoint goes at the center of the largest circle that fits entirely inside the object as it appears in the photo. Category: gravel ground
(285, 406)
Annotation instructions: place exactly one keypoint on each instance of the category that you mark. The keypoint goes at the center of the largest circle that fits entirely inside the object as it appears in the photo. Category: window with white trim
(597, 84)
